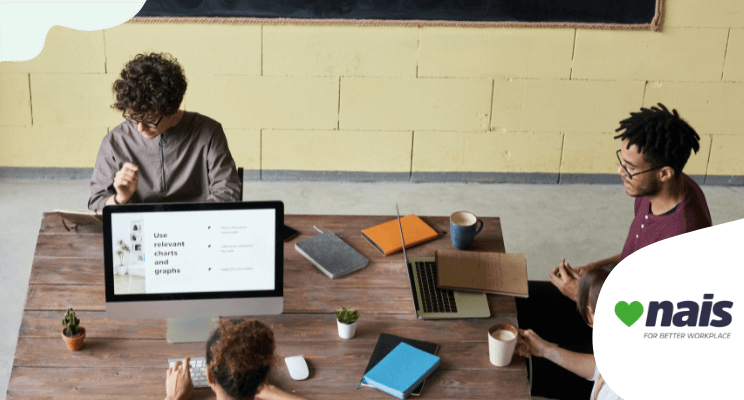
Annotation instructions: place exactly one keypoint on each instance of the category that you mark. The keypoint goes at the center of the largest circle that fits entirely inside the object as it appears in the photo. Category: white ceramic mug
(502, 340)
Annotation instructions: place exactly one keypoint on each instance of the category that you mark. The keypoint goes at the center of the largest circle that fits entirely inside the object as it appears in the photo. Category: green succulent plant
(71, 323)
(347, 315)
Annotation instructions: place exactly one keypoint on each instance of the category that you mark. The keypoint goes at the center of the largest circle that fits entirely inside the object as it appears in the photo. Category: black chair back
(240, 175)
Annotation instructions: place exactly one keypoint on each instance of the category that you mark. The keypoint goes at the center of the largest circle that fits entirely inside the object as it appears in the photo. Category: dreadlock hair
(239, 356)
(661, 136)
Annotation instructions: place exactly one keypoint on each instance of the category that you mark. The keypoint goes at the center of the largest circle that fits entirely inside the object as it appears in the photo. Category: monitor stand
(189, 330)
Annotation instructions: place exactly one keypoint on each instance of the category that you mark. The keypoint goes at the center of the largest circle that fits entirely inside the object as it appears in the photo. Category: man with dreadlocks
(655, 147)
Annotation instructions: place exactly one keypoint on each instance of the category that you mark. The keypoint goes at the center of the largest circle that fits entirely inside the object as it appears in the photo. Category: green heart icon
(629, 313)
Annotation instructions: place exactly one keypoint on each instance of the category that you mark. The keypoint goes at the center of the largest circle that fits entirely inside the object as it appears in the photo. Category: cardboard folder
(497, 273)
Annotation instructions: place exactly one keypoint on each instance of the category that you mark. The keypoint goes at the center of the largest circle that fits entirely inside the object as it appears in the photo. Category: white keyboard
(198, 370)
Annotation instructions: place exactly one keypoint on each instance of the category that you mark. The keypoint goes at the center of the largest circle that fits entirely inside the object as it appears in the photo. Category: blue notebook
(401, 371)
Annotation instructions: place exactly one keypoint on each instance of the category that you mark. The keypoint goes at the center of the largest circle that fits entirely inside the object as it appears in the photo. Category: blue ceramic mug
(463, 228)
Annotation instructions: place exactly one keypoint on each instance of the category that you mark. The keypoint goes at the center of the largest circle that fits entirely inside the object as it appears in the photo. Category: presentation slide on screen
(193, 251)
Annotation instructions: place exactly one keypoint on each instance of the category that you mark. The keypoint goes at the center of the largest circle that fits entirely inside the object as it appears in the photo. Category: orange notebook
(386, 237)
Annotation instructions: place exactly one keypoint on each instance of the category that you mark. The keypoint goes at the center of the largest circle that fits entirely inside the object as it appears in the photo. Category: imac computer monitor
(192, 263)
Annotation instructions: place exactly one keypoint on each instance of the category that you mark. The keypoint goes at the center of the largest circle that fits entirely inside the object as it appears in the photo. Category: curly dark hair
(150, 85)
(239, 356)
(661, 136)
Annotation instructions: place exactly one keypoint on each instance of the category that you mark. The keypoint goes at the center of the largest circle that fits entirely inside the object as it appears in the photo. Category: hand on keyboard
(178, 384)
(197, 368)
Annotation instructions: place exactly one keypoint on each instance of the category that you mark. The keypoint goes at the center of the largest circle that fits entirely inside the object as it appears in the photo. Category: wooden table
(127, 358)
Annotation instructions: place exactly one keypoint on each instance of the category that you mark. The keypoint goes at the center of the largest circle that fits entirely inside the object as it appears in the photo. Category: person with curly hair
(656, 145)
(239, 357)
(160, 153)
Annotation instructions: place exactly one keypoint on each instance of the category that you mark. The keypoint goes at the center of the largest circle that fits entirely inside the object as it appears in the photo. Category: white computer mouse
(297, 367)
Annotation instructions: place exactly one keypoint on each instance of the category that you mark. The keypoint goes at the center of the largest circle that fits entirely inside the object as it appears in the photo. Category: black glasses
(151, 125)
(630, 176)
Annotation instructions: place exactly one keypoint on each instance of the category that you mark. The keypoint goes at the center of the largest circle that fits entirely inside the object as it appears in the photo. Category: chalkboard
(609, 14)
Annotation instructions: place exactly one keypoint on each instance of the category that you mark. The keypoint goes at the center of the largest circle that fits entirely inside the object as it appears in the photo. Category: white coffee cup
(502, 340)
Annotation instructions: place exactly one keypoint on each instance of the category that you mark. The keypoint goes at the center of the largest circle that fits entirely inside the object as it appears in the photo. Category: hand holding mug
(536, 345)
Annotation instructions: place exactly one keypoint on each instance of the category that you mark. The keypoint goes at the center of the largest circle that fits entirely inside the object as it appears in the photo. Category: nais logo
(686, 314)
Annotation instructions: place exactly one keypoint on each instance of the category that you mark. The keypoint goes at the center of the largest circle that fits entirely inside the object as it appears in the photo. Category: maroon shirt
(691, 214)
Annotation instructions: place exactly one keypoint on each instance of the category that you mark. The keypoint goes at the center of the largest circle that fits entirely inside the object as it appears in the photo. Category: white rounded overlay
(24, 23)
(675, 362)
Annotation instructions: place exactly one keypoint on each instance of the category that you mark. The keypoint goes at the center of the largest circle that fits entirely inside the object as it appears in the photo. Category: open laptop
(432, 303)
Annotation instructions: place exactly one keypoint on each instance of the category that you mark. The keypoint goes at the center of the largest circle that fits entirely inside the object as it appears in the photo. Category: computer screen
(193, 260)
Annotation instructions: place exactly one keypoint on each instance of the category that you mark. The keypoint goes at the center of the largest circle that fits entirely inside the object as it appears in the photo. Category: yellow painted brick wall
(339, 51)
(486, 151)
(397, 99)
(74, 147)
(73, 100)
(565, 105)
(697, 164)
(329, 150)
(704, 13)
(408, 103)
(245, 147)
(685, 54)
(194, 45)
(589, 152)
(15, 101)
(725, 155)
(265, 102)
(708, 107)
(734, 68)
(496, 52)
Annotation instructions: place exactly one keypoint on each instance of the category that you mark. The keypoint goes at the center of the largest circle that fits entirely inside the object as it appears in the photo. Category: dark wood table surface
(125, 359)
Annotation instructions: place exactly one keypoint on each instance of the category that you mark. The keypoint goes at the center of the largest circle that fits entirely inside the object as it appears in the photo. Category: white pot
(346, 331)
(119, 270)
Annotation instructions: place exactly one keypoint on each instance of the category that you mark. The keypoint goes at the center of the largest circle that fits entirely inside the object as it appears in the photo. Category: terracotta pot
(74, 343)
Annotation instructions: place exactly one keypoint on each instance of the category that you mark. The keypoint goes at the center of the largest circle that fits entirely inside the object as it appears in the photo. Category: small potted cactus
(347, 319)
(73, 333)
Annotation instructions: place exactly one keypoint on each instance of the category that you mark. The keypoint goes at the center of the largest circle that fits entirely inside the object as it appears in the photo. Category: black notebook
(331, 255)
(387, 342)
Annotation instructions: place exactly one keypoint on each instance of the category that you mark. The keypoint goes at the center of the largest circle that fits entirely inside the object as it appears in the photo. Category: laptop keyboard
(433, 300)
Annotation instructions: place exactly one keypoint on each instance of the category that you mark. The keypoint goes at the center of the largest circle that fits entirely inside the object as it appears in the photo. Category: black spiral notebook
(387, 342)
